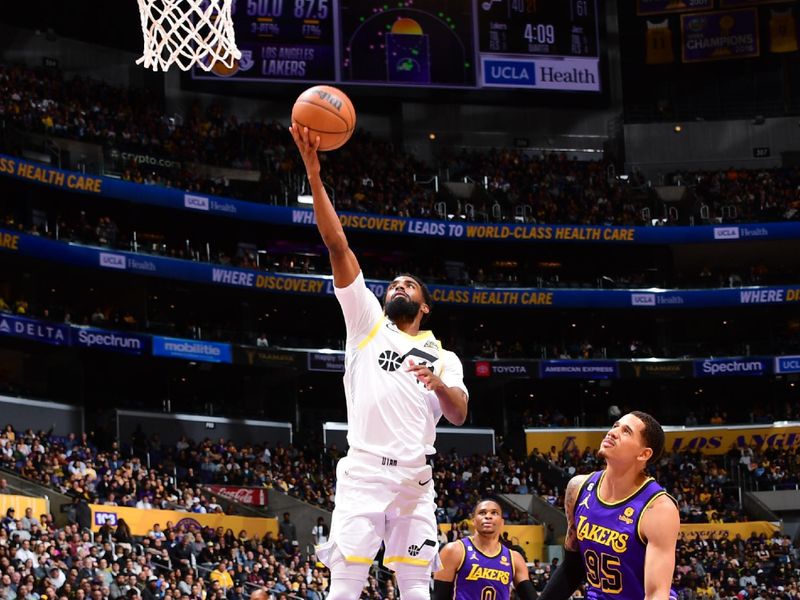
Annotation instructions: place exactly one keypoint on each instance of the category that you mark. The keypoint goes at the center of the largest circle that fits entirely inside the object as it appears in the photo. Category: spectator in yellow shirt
(221, 575)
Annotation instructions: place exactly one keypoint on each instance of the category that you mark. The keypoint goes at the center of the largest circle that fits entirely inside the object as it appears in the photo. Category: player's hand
(308, 147)
(425, 376)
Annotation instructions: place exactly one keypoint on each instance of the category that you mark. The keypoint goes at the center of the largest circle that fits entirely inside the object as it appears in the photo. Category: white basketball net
(187, 33)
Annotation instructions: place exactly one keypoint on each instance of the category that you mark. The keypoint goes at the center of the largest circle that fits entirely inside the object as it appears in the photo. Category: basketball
(328, 113)
(219, 66)
(222, 70)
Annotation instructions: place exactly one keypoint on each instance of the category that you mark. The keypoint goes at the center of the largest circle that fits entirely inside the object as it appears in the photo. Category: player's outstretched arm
(570, 573)
(659, 526)
(522, 579)
(451, 557)
(343, 261)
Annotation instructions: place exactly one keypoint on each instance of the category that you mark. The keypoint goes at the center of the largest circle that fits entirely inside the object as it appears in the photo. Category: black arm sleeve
(526, 591)
(568, 576)
(442, 590)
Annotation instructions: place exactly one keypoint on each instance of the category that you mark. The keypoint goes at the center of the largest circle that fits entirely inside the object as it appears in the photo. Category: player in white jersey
(399, 381)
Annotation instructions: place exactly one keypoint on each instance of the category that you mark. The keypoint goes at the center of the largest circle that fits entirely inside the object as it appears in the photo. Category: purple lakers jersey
(609, 540)
(482, 577)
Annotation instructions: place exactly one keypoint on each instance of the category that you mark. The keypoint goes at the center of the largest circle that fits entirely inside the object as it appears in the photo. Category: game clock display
(541, 44)
(531, 44)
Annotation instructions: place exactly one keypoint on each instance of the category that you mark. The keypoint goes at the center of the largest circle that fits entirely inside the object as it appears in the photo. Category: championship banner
(654, 7)
(708, 440)
(38, 506)
(528, 537)
(740, 3)
(251, 496)
(720, 35)
(142, 521)
(727, 531)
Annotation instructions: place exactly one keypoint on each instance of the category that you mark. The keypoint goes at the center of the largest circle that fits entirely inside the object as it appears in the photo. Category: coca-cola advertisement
(242, 495)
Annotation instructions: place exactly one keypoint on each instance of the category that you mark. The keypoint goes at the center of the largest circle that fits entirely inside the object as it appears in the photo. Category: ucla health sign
(542, 73)
(787, 364)
(727, 367)
(198, 350)
(31, 329)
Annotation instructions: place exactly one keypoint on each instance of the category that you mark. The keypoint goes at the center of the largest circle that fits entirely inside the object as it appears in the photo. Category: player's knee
(345, 589)
(417, 588)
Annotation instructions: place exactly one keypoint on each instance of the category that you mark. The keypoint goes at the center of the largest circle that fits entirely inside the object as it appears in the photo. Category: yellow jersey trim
(495, 555)
(641, 514)
(420, 336)
(420, 562)
(463, 555)
(359, 559)
(624, 500)
(372, 333)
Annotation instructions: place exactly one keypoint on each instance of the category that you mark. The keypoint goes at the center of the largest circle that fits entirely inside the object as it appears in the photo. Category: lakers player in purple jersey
(480, 567)
(622, 527)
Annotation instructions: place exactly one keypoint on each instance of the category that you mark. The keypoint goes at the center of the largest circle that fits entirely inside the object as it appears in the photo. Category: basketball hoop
(187, 33)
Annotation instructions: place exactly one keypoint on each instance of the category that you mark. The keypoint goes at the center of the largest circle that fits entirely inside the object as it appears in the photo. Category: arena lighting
(305, 199)
(677, 129)
(431, 136)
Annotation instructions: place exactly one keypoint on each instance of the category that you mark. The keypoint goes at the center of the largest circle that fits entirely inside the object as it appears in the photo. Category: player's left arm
(660, 527)
(522, 579)
(449, 388)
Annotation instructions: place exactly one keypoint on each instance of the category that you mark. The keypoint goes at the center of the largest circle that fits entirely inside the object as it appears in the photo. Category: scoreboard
(284, 40)
(541, 44)
(530, 44)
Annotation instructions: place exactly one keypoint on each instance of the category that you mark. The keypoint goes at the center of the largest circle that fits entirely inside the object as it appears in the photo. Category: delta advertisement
(141, 521)
(112, 188)
(708, 440)
(318, 285)
(32, 329)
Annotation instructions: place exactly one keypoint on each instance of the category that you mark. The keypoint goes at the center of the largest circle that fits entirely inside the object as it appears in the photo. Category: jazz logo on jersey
(616, 540)
(390, 361)
(626, 515)
(478, 572)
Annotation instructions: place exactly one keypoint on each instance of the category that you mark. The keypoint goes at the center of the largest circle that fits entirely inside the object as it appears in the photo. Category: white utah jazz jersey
(389, 412)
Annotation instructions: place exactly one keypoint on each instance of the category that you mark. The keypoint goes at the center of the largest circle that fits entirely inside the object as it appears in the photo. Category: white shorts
(382, 499)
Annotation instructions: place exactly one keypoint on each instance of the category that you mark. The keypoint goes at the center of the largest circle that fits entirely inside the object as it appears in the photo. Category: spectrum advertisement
(109, 188)
(138, 344)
